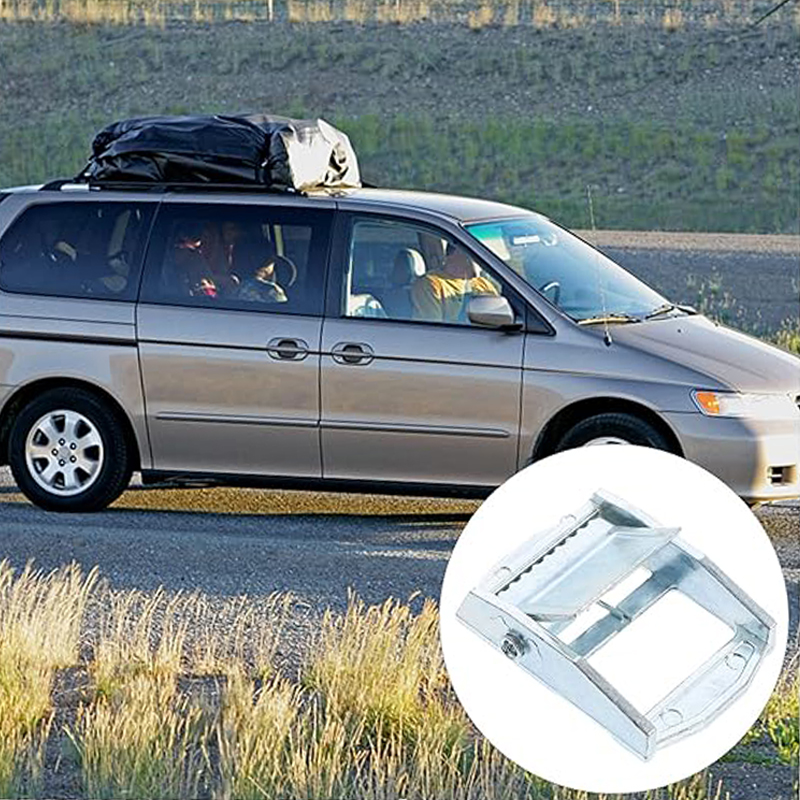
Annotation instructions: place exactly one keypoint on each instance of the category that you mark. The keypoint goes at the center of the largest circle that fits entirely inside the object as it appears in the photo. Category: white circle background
(524, 719)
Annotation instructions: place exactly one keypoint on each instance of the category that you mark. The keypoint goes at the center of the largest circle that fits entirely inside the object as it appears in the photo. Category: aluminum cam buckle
(536, 591)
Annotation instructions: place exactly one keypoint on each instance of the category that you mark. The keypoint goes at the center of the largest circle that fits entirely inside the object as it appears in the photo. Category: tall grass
(139, 635)
(141, 736)
(380, 662)
(369, 713)
(144, 741)
(40, 625)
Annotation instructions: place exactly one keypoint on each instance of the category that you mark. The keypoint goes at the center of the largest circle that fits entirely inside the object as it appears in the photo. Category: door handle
(286, 349)
(352, 353)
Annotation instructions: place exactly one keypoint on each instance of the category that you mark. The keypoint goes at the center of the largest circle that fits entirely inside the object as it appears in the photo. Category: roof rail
(56, 185)
(167, 186)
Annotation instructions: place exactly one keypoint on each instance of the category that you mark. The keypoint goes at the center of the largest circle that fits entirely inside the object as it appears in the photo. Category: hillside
(684, 127)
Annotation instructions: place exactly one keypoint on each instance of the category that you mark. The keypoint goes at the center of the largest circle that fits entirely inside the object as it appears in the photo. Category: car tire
(68, 451)
(613, 428)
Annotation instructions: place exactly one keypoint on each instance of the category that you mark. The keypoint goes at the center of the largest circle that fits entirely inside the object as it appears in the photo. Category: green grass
(548, 165)
(669, 142)
(788, 336)
(541, 165)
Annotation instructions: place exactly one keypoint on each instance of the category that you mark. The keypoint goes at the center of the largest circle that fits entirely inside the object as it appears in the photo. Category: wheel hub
(598, 440)
(64, 452)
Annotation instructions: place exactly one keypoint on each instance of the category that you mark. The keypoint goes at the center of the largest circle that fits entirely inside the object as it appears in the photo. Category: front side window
(578, 279)
(401, 271)
(77, 249)
(238, 258)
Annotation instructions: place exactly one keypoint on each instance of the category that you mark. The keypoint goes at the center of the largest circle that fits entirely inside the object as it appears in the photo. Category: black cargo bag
(277, 152)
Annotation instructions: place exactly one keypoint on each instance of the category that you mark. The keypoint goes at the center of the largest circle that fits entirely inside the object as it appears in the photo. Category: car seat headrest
(408, 265)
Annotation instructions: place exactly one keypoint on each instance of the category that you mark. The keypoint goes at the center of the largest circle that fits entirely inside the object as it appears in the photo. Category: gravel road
(228, 542)
(750, 281)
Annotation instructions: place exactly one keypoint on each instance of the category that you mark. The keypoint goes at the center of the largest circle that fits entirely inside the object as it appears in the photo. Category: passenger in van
(261, 284)
(206, 261)
(442, 295)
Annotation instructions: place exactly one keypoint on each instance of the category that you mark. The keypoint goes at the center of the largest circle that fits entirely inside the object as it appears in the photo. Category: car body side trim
(417, 359)
(69, 337)
(236, 419)
(436, 430)
(215, 345)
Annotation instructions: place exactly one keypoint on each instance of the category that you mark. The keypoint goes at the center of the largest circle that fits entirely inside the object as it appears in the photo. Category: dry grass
(40, 624)
(381, 662)
(476, 14)
(140, 635)
(172, 713)
(144, 741)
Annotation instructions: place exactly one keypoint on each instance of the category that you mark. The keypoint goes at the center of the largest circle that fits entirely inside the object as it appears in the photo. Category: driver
(441, 296)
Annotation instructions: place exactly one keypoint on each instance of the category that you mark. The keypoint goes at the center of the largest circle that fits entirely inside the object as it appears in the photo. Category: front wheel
(68, 452)
(613, 428)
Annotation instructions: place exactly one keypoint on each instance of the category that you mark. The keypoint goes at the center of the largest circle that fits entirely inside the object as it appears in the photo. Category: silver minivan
(367, 340)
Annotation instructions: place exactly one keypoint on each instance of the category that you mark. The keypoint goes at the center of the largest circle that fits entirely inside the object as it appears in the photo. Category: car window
(402, 271)
(238, 257)
(77, 249)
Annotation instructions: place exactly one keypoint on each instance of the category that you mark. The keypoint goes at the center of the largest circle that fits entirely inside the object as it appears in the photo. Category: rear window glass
(79, 249)
(249, 258)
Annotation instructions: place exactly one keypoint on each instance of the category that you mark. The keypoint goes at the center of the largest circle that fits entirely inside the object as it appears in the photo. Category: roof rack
(59, 183)
(145, 186)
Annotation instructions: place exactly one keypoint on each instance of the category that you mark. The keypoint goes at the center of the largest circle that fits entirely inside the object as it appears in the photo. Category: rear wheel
(68, 451)
(613, 428)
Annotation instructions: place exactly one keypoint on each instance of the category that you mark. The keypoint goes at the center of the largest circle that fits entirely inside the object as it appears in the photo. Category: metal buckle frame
(536, 591)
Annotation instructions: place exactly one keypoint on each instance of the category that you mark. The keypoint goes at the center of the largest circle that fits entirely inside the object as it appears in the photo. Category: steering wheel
(285, 272)
(57, 256)
(553, 286)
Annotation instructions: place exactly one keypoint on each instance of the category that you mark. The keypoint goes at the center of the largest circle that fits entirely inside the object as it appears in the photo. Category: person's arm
(483, 285)
(425, 300)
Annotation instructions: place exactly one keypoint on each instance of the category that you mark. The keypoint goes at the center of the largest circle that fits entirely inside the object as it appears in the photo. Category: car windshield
(575, 277)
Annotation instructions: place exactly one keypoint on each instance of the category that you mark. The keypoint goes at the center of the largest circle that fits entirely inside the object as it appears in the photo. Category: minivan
(362, 340)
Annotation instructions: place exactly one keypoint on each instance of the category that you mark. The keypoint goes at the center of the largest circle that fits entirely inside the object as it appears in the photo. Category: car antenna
(606, 329)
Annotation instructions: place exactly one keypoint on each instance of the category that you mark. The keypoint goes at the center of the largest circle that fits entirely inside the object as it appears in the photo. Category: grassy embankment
(663, 127)
(124, 694)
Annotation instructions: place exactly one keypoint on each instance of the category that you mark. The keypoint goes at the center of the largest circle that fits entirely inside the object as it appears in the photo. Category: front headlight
(749, 406)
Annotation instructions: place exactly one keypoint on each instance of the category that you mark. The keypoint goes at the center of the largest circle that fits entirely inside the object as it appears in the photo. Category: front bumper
(758, 459)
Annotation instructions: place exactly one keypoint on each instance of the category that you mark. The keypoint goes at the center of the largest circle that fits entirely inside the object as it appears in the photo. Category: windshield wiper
(665, 308)
(600, 319)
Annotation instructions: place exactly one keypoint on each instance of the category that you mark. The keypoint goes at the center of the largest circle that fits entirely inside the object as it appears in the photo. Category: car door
(229, 326)
(406, 396)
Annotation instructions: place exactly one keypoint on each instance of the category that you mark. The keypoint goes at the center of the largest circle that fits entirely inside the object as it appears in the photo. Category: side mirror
(491, 311)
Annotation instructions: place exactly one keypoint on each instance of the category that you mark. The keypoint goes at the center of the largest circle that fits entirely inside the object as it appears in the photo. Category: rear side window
(79, 249)
(248, 258)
